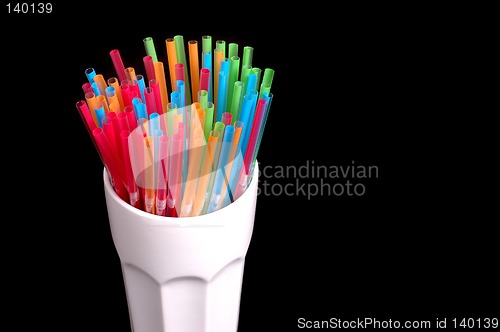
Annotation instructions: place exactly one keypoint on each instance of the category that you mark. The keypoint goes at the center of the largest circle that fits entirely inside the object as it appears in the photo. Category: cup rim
(155, 218)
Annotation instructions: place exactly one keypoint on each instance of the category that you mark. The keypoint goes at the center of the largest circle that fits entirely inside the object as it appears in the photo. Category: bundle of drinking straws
(188, 152)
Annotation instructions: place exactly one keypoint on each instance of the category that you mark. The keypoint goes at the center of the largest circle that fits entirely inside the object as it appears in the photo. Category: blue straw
(142, 86)
(221, 107)
(96, 89)
(180, 87)
(142, 112)
(175, 98)
(251, 83)
(246, 116)
(100, 113)
(221, 176)
(90, 72)
(154, 122)
(136, 101)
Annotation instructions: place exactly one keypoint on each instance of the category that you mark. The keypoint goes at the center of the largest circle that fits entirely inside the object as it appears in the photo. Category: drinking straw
(238, 126)
(154, 84)
(195, 153)
(149, 67)
(234, 68)
(244, 180)
(245, 72)
(131, 117)
(172, 59)
(113, 81)
(160, 77)
(268, 97)
(142, 86)
(221, 45)
(175, 97)
(206, 53)
(180, 88)
(102, 99)
(140, 110)
(133, 190)
(149, 176)
(150, 48)
(87, 118)
(175, 173)
(267, 79)
(87, 87)
(204, 80)
(194, 68)
(90, 73)
(112, 97)
(232, 50)
(125, 89)
(218, 57)
(209, 119)
(118, 64)
(257, 71)
(221, 106)
(247, 56)
(122, 119)
(203, 99)
(207, 64)
(251, 84)
(220, 175)
(111, 134)
(237, 97)
(181, 58)
(264, 88)
(90, 99)
(95, 88)
(99, 113)
(150, 101)
(101, 84)
(135, 90)
(179, 72)
(246, 116)
(130, 75)
(162, 177)
(115, 170)
(226, 118)
(205, 173)
(219, 126)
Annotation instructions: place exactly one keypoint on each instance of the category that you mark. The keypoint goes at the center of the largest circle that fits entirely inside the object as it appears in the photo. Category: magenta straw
(150, 67)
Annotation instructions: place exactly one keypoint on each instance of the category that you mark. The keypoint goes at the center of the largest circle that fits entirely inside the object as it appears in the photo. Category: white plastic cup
(183, 274)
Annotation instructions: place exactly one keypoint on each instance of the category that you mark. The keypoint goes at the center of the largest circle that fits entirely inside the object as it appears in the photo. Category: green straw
(234, 68)
(245, 71)
(236, 101)
(171, 110)
(219, 126)
(233, 50)
(150, 48)
(221, 45)
(267, 79)
(257, 72)
(264, 88)
(209, 120)
(203, 99)
(206, 44)
(181, 58)
(247, 56)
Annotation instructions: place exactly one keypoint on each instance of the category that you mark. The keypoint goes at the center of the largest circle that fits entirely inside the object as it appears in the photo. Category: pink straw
(204, 78)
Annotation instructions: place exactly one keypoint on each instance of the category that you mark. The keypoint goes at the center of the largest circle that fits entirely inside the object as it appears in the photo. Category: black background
(359, 84)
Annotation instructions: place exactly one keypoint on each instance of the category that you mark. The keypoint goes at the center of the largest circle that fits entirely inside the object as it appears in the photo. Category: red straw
(150, 67)
(150, 101)
(111, 162)
(204, 78)
(87, 87)
(179, 72)
(118, 64)
(155, 85)
(227, 118)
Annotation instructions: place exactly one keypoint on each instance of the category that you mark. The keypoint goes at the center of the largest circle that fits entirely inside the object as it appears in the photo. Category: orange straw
(160, 76)
(172, 59)
(194, 68)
